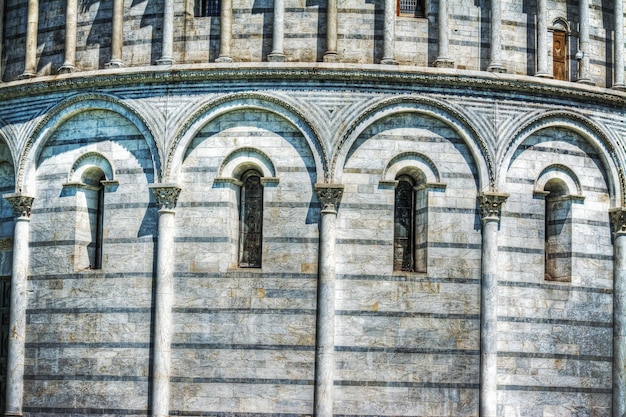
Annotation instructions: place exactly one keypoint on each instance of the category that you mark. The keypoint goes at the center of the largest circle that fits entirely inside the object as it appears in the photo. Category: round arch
(450, 116)
(63, 112)
(212, 109)
(583, 127)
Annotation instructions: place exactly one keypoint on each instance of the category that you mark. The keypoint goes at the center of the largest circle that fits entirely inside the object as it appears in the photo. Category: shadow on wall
(485, 29)
(153, 17)
(100, 32)
(530, 9)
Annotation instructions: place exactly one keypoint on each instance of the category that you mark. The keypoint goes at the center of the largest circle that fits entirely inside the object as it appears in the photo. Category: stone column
(443, 55)
(583, 43)
(618, 79)
(330, 196)
(19, 301)
(389, 48)
(495, 63)
(117, 35)
(278, 35)
(32, 21)
(166, 196)
(618, 220)
(226, 31)
(167, 51)
(490, 204)
(542, 39)
(71, 17)
(331, 32)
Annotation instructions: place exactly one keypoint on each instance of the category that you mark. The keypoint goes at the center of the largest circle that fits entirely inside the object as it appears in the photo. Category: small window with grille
(411, 8)
(208, 8)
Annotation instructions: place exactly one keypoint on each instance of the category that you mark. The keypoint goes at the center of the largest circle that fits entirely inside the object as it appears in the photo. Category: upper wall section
(552, 44)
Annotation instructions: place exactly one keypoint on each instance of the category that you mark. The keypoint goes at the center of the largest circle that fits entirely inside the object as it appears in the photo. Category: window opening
(208, 8)
(251, 206)
(411, 8)
(99, 228)
(559, 55)
(558, 232)
(404, 215)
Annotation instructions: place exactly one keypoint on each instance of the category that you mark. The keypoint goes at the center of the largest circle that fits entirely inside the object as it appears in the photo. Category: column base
(619, 87)
(222, 59)
(585, 81)
(67, 69)
(27, 75)
(276, 57)
(497, 68)
(114, 64)
(544, 75)
(165, 61)
(443, 63)
(331, 57)
(389, 61)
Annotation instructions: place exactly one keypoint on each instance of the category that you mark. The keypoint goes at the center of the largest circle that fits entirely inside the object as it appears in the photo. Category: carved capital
(329, 195)
(166, 195)
(491, 203)
(618, 219)
(21, 204)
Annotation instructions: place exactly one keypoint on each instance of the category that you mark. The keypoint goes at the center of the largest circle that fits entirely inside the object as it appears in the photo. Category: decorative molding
(329, 195)
(22, 204)
(491, 203)
(166, 195)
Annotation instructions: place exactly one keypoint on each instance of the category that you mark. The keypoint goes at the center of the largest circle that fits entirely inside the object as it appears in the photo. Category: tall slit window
(558, 232)
(404, 219)
(251, 223)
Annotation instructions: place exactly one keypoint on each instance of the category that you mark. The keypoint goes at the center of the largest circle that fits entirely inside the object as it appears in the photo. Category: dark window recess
(251, 220)
(208, 8)
(403, 226)
(411, 8)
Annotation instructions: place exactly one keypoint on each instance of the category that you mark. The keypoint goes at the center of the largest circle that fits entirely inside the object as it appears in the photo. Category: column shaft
(226, 28)
(618, 79)
(30, 64)
(71, 18)
(583, 42)
(325, 343)
(331, 32)
(495, 62)
(278, 34)
(618, 220)
(167, 53)
(19, 303)
(389, 53)
(166, 196)
(542, 39)
(443, 54)
(117, 35)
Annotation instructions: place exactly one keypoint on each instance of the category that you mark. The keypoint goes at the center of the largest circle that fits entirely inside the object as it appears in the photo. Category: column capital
(329, 195)
(618, 219)
(491, 203)
(21, 204)
(166, 195)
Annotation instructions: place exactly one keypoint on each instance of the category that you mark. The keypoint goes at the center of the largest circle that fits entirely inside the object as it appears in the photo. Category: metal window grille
(403, 226)
(208, 8)
(251, 220)
(413, 8)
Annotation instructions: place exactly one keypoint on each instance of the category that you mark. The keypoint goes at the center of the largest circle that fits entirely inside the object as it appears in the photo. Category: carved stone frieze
(329, 195)
(21, 204)
(491, 203)
(166, 195)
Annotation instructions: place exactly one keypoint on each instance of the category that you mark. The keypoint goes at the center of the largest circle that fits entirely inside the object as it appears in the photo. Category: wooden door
(559, 55)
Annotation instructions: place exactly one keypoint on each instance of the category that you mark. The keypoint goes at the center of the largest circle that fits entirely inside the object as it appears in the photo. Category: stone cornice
(384, 77)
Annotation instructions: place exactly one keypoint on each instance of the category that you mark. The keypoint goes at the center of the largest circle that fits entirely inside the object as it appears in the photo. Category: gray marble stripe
(408, 350)
(87, 345)
(513, 249)
(548, 286)
(407, 314)
(540, 355)
(367, 242)
(90, 274)
(243, 274)
(232, 414)
(562, 322)
(200, 310)
(291, 239)
(234, 346)
(78, 411)
(409, 278)
(252, 381)
(395, 384)
(99, 378)
(83, 310)
(573, 390)
(201, 239)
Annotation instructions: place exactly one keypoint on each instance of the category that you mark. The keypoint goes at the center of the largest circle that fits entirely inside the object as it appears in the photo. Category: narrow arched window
(558, 232)
(251, 223)
(404, 225)
(559, 55)
(99, 227)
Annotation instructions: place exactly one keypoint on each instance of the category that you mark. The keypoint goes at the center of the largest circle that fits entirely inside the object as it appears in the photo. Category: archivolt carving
(444, 112)
(416, 157)
(550, 171)
(254, 156)
(242, 100)
(82, 103)
(92, 159)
